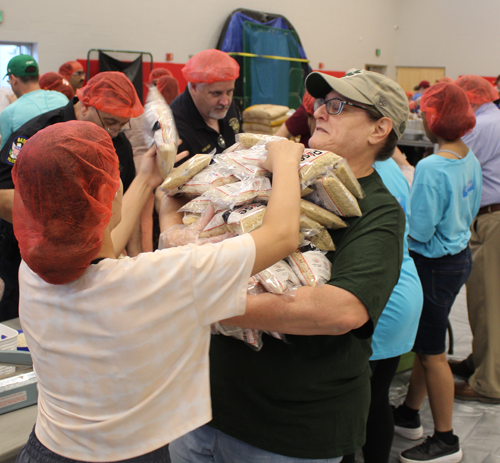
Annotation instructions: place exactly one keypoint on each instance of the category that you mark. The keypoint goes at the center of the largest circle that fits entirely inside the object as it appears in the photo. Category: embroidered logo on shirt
(17, 144)
(235, 124)
(204, 150)
(467, 189)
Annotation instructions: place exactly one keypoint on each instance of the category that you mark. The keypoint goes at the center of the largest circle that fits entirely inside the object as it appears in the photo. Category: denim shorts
(441, 280)
(35, 452)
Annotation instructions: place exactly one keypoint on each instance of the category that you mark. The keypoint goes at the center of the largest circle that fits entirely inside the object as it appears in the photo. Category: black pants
(35, 452)
(380, 425)
(10, 259)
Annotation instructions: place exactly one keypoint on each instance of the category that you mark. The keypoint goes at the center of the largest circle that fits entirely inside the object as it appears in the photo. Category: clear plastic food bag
(311, 267)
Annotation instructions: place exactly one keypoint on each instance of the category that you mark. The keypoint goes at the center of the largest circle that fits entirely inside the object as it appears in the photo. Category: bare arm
(6, 202)
(279, 234)
(324, 310)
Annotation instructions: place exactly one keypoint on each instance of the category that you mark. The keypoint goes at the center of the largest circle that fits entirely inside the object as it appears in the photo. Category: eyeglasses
(335, 106)
(79, 73)
(122, 128)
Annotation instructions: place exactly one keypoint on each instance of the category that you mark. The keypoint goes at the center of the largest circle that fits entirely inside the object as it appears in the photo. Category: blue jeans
(441, 280)
(207, 444)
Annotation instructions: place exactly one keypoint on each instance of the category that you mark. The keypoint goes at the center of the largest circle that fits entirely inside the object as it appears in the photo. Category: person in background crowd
(307, 400)
(56, 82)
(109, 100)
(168, 87)
(301, 123)
(444, 200)
(73, 72)
(205, 114)
(155, 74)
(22, 71)
(482, 367)
(84, 310)
(419, 91)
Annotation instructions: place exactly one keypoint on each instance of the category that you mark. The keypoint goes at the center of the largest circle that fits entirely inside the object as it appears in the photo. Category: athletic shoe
(434, 450)
(409, 429)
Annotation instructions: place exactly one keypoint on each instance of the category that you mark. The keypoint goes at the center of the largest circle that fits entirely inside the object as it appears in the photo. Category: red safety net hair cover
(446, 80)
(447, 111)
(155, 74)
(168, 87)
(113, 93)
(477, 89)
(69, 67)
(211, 66)
(66, 178)
(56, 82)
(308, 103)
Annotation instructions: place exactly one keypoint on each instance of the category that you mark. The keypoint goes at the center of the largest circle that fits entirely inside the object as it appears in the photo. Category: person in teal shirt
(32, 101)
(444, 200)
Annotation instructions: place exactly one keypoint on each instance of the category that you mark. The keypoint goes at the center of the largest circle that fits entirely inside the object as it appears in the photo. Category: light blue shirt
(484, 141)
(27, 107)
(397, 326)
(444, 201)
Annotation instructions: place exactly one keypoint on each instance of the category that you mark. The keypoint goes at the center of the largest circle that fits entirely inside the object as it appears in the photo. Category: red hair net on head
(211, 66)
(56, 82)
(308, 103)
(168, 87)
(477, 89)
(447, 111)
(69, 67)
(113, 93)
(446, 80)
(155, 74)
(66, 178)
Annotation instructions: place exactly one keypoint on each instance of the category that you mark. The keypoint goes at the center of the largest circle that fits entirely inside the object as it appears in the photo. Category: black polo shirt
(11, 149)
(197, 137)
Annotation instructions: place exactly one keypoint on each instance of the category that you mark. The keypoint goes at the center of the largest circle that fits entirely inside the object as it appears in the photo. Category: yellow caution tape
(283, 58)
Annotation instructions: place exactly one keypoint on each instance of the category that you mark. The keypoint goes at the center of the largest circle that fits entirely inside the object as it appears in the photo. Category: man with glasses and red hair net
(73, 72)
(109, 100)
(205, 114)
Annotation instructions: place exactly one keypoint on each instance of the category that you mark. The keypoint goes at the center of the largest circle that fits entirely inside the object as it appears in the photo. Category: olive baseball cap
(22, 65)
(367, 87)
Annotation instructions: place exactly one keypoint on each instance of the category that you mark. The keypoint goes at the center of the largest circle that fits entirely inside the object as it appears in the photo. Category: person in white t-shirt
(120, 346)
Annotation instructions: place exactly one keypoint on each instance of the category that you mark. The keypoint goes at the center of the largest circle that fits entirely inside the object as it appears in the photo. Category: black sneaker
(409, 429)
(434, 450)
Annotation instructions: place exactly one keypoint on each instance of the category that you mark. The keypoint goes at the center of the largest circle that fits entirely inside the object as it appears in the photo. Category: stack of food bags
(265, 118)
(238, 188)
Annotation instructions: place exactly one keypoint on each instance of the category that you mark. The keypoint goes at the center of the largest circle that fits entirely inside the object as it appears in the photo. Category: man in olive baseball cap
(369, 88)
(22, 65)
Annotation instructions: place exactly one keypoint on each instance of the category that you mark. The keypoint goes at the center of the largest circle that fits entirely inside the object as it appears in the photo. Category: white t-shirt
(121, 354)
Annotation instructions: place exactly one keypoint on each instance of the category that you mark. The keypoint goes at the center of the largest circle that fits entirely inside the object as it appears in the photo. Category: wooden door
(409, 76)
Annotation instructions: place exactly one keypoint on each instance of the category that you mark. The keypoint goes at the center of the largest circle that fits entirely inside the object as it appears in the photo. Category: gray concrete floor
(477, 425)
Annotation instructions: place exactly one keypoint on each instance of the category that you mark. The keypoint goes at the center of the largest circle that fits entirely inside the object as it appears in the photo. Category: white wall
(340, 33)
(461, 35)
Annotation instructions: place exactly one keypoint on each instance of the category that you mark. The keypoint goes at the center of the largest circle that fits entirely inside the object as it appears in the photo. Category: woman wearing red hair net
(55, 81)
(444, 200)
(120, 346)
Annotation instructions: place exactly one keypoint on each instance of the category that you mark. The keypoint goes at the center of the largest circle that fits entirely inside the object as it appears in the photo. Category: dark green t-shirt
(309, 397)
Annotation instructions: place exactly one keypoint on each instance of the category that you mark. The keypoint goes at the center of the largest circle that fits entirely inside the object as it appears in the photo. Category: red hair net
(168, 87)
(66, 177)
(56, 82)
(69, 67)
(155, 74)
(447, 111)
(308, 103)
(446, 80)
(477, 89)
(113, 93)
(211, 66)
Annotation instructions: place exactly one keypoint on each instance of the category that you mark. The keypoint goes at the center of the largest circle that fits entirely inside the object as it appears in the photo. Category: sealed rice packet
(345, 174)
(237, 194)
(210, 177)
(312, 267)
(243, 168)
(253, 338)
(316, 233)
(190, 218)
(330, 193)
(279, 278)
(245, 219)
(217, 226)
(196, 205)
(159, 127)
(248, 140)
(187, 170)
(321, 215)
(315, 163)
